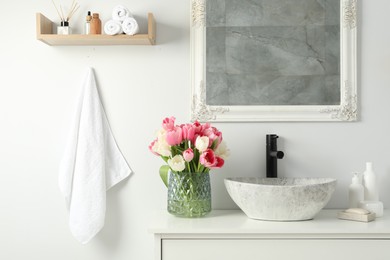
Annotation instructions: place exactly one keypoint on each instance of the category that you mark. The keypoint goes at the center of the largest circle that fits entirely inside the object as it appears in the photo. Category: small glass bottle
(64, 28)
(96, 24)
(87, 29)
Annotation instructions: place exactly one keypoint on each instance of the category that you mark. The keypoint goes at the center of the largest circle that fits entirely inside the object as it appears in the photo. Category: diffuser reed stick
(57, 10)
(72, 13)
(62, 13)
(73, 8)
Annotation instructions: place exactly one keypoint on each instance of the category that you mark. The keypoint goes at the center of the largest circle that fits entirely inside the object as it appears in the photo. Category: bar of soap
(356, 215)
(358, 211)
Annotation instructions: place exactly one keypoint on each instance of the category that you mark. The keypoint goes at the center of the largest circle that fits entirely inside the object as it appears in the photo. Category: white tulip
(202, 143)
(161, 146)
(222, 150)
(164, 149)
(177, 163)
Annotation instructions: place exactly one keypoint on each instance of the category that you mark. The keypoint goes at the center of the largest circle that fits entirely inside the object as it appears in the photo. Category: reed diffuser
(64, 27)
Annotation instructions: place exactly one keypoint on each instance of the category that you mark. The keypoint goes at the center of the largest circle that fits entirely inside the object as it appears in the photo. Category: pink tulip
(169, 123)
(214, 135)
(198, 128)
(188, 132)
(205, 128)
(208, 159)
(219, 164)
(188, 155)
(174, 136)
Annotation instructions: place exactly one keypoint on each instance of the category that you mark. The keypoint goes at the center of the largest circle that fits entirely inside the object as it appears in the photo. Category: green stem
(188, 167)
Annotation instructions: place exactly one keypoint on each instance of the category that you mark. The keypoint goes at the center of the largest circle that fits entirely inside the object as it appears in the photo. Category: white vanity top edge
(235, 223)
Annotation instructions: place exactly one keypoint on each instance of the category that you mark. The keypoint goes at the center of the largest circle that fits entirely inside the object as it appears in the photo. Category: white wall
(140, 85)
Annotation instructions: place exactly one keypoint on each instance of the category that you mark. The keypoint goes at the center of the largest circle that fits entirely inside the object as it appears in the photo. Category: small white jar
(372, 206)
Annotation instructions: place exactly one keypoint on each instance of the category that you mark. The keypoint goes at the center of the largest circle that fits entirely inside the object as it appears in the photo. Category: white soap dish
(357, 214)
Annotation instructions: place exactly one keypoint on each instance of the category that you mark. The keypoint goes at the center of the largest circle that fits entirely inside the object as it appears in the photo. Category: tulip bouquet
(192, 148)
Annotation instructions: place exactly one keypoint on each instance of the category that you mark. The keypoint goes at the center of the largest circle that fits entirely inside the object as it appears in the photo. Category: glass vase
(189, 194)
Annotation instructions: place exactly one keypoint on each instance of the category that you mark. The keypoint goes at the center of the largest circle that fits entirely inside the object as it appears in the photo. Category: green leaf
(214, 144)
(164, 174)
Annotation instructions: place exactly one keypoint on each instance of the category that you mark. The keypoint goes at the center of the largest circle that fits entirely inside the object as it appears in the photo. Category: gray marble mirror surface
(273, 60)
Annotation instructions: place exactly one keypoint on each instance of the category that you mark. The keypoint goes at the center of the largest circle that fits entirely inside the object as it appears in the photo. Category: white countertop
(235, 223)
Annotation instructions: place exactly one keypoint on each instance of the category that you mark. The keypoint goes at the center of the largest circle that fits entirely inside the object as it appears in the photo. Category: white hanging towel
(91, 165)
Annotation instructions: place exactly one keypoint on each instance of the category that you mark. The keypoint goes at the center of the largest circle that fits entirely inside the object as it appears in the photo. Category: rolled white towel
(112, 27)
(120, 13)
(130, 26)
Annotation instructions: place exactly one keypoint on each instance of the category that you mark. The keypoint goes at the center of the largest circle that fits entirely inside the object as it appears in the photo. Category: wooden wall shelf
(45, 34)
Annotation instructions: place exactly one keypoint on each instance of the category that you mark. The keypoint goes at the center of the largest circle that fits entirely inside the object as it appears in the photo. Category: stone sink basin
(280, 199)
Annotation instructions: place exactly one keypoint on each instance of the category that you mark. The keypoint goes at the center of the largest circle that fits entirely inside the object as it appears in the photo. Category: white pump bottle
(370, 185)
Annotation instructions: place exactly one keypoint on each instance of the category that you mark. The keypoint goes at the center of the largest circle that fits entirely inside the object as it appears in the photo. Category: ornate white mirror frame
(346, 111)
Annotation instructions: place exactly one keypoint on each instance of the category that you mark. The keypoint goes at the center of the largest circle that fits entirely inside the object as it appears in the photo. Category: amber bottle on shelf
(96, 24)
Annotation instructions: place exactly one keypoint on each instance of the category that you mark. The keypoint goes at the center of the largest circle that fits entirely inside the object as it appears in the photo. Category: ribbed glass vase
(189, 194)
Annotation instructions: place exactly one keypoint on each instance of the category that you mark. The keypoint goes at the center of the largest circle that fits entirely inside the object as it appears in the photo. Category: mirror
(273, 60)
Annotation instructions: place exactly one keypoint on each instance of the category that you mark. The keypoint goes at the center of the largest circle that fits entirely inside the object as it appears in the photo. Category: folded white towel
(112, 27)
(130, 26)
(91, 165)
(120, 13)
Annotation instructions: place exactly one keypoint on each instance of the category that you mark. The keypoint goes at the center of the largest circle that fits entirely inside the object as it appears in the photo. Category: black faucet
(272, 156)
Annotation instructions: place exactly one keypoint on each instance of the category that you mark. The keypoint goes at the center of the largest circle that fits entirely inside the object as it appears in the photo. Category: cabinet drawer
(275, 249)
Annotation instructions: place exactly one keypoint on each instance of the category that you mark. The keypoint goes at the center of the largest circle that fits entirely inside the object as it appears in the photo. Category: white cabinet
(230, 235)
(248, 249)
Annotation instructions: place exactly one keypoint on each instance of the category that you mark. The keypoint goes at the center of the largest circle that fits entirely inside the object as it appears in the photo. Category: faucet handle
(277, 154)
